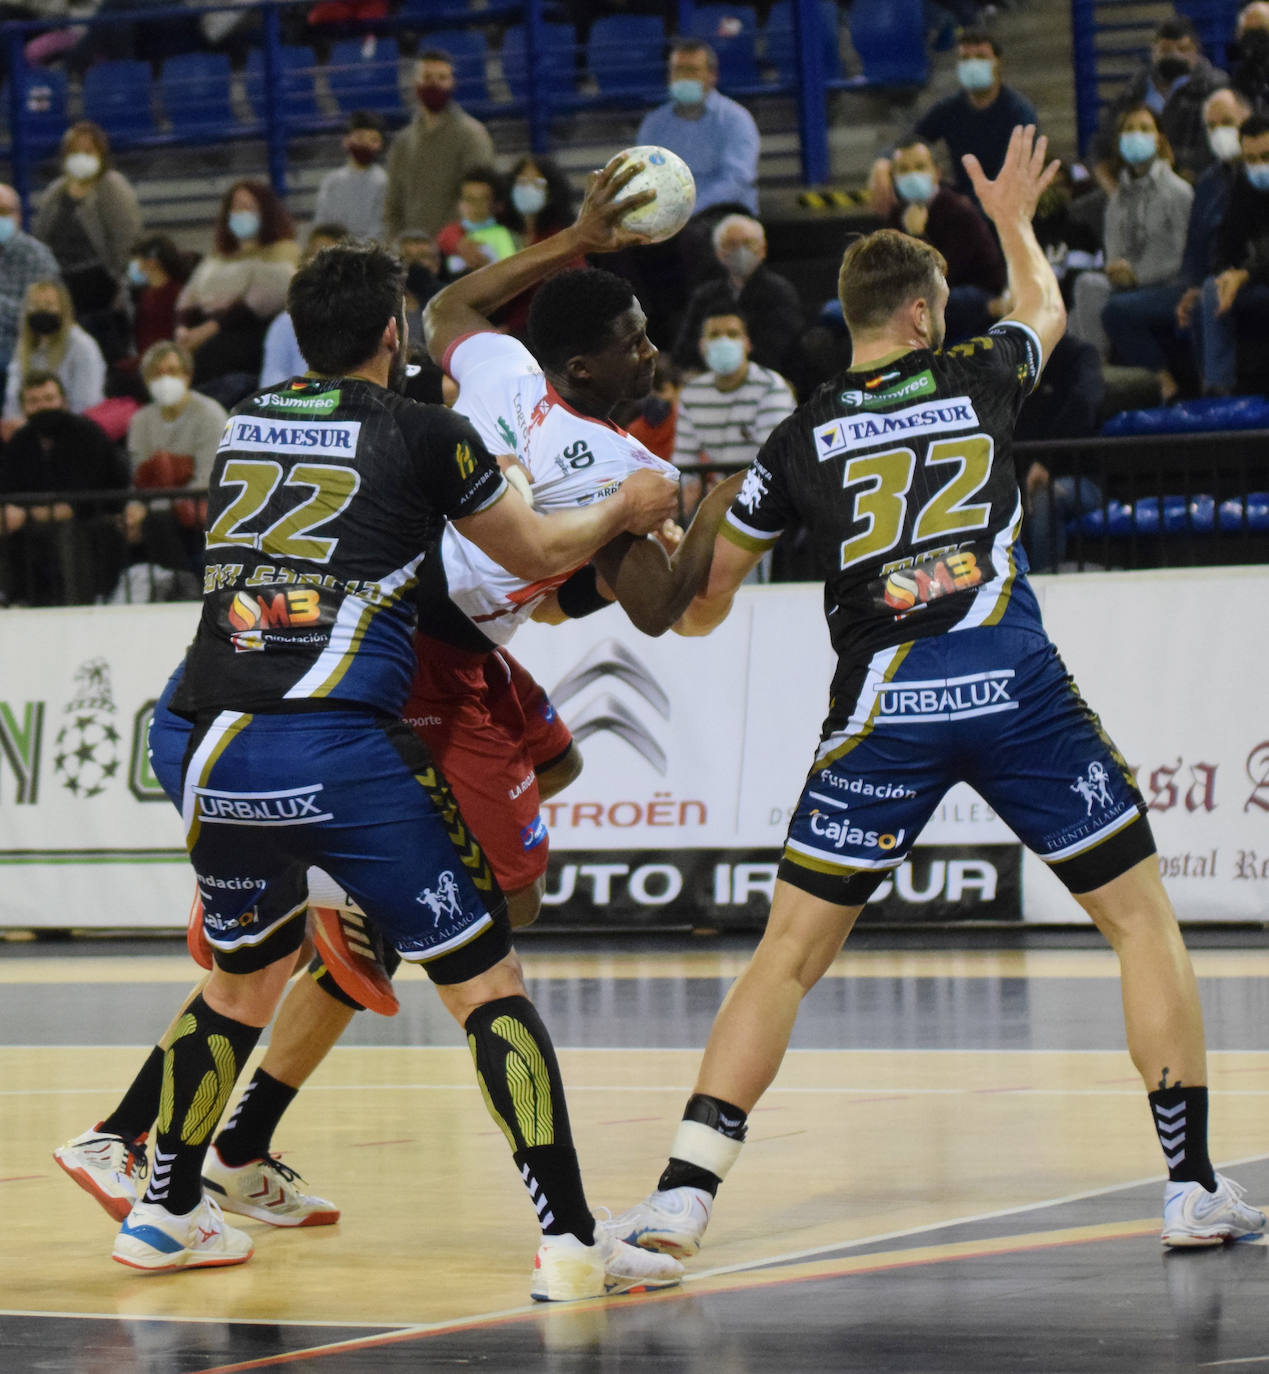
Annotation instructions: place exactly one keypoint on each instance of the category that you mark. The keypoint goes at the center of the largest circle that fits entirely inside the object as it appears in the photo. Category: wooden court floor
(955, 1171)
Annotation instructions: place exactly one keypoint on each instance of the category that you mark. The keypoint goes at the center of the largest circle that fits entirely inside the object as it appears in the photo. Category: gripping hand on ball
(603, 209)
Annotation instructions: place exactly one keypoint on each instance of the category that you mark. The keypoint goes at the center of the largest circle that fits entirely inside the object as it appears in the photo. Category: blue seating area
(194, 89)
(1200, 514)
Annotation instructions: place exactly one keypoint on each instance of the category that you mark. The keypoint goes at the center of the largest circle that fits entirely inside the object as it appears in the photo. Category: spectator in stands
(714, 135)
(541, 205)
(24, 260)
(226, 305)
(90, 218)
(1141, 324)
(479, 235)
(171, 443)
(428, 159)
(726, 414)
(66, 552)
(1066, 404)
(978, 119)
(422, 259)
(1250, 75)
(1235, 299)
(1147, 217)
(767, 300)
(928, 210)
(1069, 228)
(1173, 86)
(282, 357)
(353, 194)
(654, 420)
(49, 340)
(157, 274)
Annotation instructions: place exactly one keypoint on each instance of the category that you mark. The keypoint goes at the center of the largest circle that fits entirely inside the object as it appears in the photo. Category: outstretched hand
(1021, 181)
(603, 209)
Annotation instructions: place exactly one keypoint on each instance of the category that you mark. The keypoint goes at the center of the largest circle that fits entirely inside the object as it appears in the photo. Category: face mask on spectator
(724, 356)
(457, 264)
(916, 187)
(528, 197)
(740, 261)
(44, 321)
(1136, 146)
(1258, 175)
(82, 166)
(1223, 141)
(135, 274)
(472, 226)
(168, 391)
(244, 224)
(1170, 69)
(432, 98)
(8, 227)
(976, 73)
(362, 155)
(687, 91)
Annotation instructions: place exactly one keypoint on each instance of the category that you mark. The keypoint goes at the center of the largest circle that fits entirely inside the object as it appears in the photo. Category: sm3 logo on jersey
(294, 606)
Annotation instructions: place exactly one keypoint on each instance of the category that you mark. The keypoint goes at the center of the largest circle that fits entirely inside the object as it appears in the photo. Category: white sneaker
(106, 1167)
(265, 1189)
(154, 1239)
(565, 1270)
(1193, 1216)
(672, 1222)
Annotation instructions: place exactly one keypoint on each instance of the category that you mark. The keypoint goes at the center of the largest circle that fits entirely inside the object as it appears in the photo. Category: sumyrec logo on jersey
(88, 744)
(606, 712)
(869, 398)
(867, 431)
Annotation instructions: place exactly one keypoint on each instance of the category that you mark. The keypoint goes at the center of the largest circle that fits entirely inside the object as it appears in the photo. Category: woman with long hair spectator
(90, 218)
(49, 340)
(1147, 217)
(541, 205)
(157, 273)
(225, 307)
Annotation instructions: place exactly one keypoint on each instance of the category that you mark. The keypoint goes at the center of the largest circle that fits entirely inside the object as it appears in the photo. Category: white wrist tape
(705, 1147)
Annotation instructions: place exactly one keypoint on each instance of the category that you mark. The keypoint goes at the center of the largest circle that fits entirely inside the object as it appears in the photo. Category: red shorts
(490, 727)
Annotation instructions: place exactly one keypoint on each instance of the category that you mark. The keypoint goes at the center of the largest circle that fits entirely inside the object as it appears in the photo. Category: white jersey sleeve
(491, 370)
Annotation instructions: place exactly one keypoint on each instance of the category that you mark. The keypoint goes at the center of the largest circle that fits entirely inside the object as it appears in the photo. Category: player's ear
(392, 339)
(577, 369)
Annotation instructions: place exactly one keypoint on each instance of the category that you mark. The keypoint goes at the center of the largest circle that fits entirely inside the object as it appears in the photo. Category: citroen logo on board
(608, 660)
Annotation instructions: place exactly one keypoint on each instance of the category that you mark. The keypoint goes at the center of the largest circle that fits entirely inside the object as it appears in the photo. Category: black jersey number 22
(291, 534)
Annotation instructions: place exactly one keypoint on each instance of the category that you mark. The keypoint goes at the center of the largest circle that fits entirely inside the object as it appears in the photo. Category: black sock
(1180, 1118)
(139, 1106)
(249, 1132)
(719, 1116)
(519, 1078)
(199, 1070)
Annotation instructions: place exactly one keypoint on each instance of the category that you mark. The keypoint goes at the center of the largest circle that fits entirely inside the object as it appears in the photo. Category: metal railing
(1185, 500)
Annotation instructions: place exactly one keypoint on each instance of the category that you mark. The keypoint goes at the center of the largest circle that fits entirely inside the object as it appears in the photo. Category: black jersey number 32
(883, 502)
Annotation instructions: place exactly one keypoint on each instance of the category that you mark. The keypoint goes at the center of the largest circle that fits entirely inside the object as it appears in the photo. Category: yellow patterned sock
(519, 1079)
(199, 1070)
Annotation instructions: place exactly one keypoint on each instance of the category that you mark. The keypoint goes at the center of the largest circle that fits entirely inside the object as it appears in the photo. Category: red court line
(917, 1260)
(19, 1178)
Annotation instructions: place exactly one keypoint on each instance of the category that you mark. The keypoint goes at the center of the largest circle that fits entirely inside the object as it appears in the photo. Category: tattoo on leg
(1164, 1084)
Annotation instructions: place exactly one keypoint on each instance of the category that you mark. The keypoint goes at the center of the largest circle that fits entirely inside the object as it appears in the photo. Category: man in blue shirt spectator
(715, 136)
(978, 119)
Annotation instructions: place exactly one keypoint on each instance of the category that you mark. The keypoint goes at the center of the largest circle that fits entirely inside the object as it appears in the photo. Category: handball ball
(671, 178)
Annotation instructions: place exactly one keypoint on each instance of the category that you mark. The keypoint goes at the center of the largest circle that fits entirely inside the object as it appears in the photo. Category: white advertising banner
(1173, 663)
(694, 752)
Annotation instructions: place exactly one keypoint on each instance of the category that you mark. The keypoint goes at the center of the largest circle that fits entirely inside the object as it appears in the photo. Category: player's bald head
(882, 273)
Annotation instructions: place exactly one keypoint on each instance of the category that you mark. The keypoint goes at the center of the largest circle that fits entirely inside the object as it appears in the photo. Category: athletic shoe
(671, 1222)
(265, 1189)
(1193, 1216)
(349, 947)
(196, 940)
(565, 1270)
(105, 1166)
(154, 1239)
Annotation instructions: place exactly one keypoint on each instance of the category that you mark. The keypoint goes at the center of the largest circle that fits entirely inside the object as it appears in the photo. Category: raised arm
(653, 589)
(466, 305)
(1009, 202)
